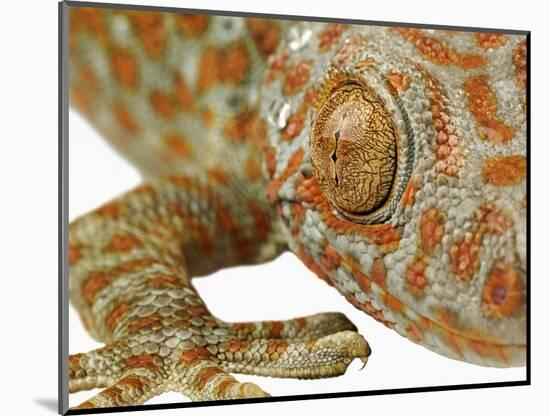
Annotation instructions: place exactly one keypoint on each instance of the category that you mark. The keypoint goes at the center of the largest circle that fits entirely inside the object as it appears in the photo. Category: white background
(28, 238)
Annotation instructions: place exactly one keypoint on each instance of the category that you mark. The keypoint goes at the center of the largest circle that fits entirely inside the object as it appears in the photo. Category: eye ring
(355, 150)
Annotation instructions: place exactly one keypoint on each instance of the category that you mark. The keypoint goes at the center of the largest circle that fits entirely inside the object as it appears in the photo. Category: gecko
(390, 160)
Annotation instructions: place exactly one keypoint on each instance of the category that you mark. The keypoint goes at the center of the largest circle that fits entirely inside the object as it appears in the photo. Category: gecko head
(399, 185)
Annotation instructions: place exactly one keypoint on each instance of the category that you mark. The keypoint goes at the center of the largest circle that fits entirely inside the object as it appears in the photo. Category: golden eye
(354, 149)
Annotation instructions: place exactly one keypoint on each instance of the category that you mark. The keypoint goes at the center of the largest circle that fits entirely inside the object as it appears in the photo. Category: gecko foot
(196, 358)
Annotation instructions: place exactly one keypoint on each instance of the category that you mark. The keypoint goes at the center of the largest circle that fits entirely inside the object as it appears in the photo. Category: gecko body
(391, 161)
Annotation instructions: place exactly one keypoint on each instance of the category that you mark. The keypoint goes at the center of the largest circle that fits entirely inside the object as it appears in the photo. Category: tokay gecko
(390, 160)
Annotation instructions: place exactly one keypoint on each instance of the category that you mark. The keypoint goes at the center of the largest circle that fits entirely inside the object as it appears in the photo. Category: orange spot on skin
(490, 40)
(222, 387)
(205, 375)
(192, 25)
(410, 193)
(432, 229)
(275, 66)
(151, 322)
(235, 64)
(265, 34)
(276, 328)
(145, 189)
(115, 315)
(378, 272)
(93, 284)
(125, 118)
(348, 51)
(393, 303)
(294, 126)
(296, 77)
(330, 259)
(208, 69)
(262, 225)
(238, 345)
(110, 210)
(503, 291)
(142, 361)
(519, 58)
(299, 216)
(114, 392)
(74, 254)
(438, 52)
(464, 256)
(228, 65)
(414, 332)
(84, 89)
(163, 104)
(493, 219)
(362, 280)
(178, 145)
(219, 175)
(241, 127)
(332, 254)
(124, 68)
(150, 29)
(270, 162)
(449, 154)
(253, 169)
(89, 20)
(482, 103)
(293, 165)
(88, 78)
(164, 281)
(74, 362)
(398, 80)
(505, 171)
(384, 235)
(122, 242)
(226, 220)
(277, 346)
(81, 99)
(301, 322)
(416, 277)
(328, 36)
(295, 122)
(196, 354)
(134, 265)
(182, 93)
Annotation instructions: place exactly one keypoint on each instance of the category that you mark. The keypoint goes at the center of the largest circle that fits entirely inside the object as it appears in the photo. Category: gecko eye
(354, 148)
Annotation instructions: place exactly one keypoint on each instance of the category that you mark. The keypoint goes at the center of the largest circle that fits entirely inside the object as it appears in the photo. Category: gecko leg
(297, 329)
(130, 267)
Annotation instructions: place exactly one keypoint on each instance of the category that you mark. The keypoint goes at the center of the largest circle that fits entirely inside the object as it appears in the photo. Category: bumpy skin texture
(221, 117)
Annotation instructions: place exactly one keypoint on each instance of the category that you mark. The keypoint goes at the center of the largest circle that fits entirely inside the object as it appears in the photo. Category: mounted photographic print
(318, 208)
